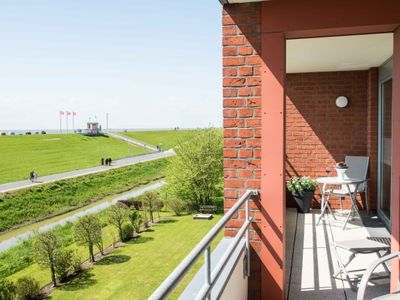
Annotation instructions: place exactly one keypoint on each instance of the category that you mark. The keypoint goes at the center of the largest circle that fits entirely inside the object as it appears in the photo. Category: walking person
(109, 161)
(102, 161)
(32, 175)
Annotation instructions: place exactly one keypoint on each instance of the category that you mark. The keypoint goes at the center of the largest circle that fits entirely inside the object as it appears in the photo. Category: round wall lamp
(342, 101)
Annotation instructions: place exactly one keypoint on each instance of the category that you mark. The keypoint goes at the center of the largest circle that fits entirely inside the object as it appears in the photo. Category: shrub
(7, 289)
(127, 231)
(65, 264)
(136, 219)
(178, 206)
(27, 288)
(299, 185)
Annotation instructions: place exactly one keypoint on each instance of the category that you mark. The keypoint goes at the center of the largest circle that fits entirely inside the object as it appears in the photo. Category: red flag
(68, 113)
(74, 113)
(61, 113)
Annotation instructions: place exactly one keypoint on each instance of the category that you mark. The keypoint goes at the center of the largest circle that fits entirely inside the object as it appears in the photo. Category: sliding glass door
(385, 145)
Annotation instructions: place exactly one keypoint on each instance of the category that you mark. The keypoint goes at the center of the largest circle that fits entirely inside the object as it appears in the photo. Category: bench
(207, 209)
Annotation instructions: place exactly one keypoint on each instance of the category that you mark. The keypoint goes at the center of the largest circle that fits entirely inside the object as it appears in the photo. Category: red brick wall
(242, 122)
(320, 134)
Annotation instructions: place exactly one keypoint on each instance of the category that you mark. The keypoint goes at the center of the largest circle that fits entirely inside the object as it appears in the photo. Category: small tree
(44, 250)
(27, 288)
(88, 232)
(7, 289)
(117, 215)
(150, 202)
(136, 219)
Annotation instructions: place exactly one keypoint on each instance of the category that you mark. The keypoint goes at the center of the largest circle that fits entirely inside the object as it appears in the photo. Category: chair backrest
(370, 270)
(358, 168)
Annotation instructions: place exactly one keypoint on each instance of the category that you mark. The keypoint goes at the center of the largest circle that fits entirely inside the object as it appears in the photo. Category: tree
(136, 219)
(7, 289)
(117, 215)
(150, 203)
(196, 172)
(88, 232)
(44, 250)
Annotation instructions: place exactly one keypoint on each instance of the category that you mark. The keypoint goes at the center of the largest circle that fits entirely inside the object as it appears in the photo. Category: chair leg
(341, 204)
(366, 199)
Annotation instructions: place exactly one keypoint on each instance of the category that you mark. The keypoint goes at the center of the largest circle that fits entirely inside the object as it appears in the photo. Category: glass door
(385, 148)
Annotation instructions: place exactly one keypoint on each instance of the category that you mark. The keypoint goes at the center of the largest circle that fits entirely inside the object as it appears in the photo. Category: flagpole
(73, 122)
(67, 121)
(60, 122)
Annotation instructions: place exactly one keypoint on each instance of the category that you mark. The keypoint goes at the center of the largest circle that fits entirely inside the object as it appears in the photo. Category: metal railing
(204, 246)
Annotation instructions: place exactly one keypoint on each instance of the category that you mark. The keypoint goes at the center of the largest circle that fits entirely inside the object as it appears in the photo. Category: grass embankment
(135, 270)
(56, 153)
(168, 138)
(40, 202)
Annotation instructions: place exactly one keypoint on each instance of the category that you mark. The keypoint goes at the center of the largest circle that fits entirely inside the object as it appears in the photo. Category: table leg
(323, 205)
(353, 197)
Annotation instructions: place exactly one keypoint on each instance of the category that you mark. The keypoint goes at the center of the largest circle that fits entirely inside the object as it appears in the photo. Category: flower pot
(303, 201)
(340, 173)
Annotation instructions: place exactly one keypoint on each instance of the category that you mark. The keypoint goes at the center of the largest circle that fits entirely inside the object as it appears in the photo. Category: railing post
(207, 258)
(248, 238)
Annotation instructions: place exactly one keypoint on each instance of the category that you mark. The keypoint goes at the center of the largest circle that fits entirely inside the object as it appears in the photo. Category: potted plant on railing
(302, 190)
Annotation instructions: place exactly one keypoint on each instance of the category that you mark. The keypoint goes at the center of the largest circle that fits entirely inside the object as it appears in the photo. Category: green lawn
(168, 138)
(55, 153)
(137, 269)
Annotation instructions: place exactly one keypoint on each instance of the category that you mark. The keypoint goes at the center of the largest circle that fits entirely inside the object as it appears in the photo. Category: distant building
(92, 128)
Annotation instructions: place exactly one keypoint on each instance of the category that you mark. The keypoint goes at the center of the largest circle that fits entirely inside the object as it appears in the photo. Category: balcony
(310, 260)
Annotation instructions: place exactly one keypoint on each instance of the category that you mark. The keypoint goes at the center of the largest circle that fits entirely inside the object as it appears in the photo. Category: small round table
(324, 181)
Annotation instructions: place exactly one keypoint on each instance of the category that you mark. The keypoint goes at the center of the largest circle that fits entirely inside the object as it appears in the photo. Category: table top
(336, 180)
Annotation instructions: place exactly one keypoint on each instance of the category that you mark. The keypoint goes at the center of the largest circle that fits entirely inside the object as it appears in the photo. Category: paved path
(16, 185)
(11, 242)
(132, 141)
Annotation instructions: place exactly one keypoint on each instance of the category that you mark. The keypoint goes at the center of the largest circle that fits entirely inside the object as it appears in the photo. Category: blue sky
(147, 63)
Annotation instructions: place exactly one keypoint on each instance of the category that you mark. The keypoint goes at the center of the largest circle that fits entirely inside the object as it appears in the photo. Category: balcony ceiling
(344, 53)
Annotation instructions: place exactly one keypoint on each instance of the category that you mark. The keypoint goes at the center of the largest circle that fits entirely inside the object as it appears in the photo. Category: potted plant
(302, 190)
(341, 168)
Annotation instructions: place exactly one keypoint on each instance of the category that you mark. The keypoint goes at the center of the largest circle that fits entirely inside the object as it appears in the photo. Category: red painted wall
(318, 134)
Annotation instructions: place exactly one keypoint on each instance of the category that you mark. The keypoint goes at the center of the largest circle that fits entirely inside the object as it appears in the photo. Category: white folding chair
(368, 273)
(358, 168)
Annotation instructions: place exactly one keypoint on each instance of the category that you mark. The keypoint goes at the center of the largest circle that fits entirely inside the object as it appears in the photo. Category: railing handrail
(175, 277)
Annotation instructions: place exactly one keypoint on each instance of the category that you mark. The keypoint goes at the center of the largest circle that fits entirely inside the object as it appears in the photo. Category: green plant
(117, 215)
(178, 206)
(45, 249)
(27, 288)
(64, 264)
(136, 219)
(127, 231)
(300, 185)
(151, 203)
(7, 289)
(196, 173)
(88, 232)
